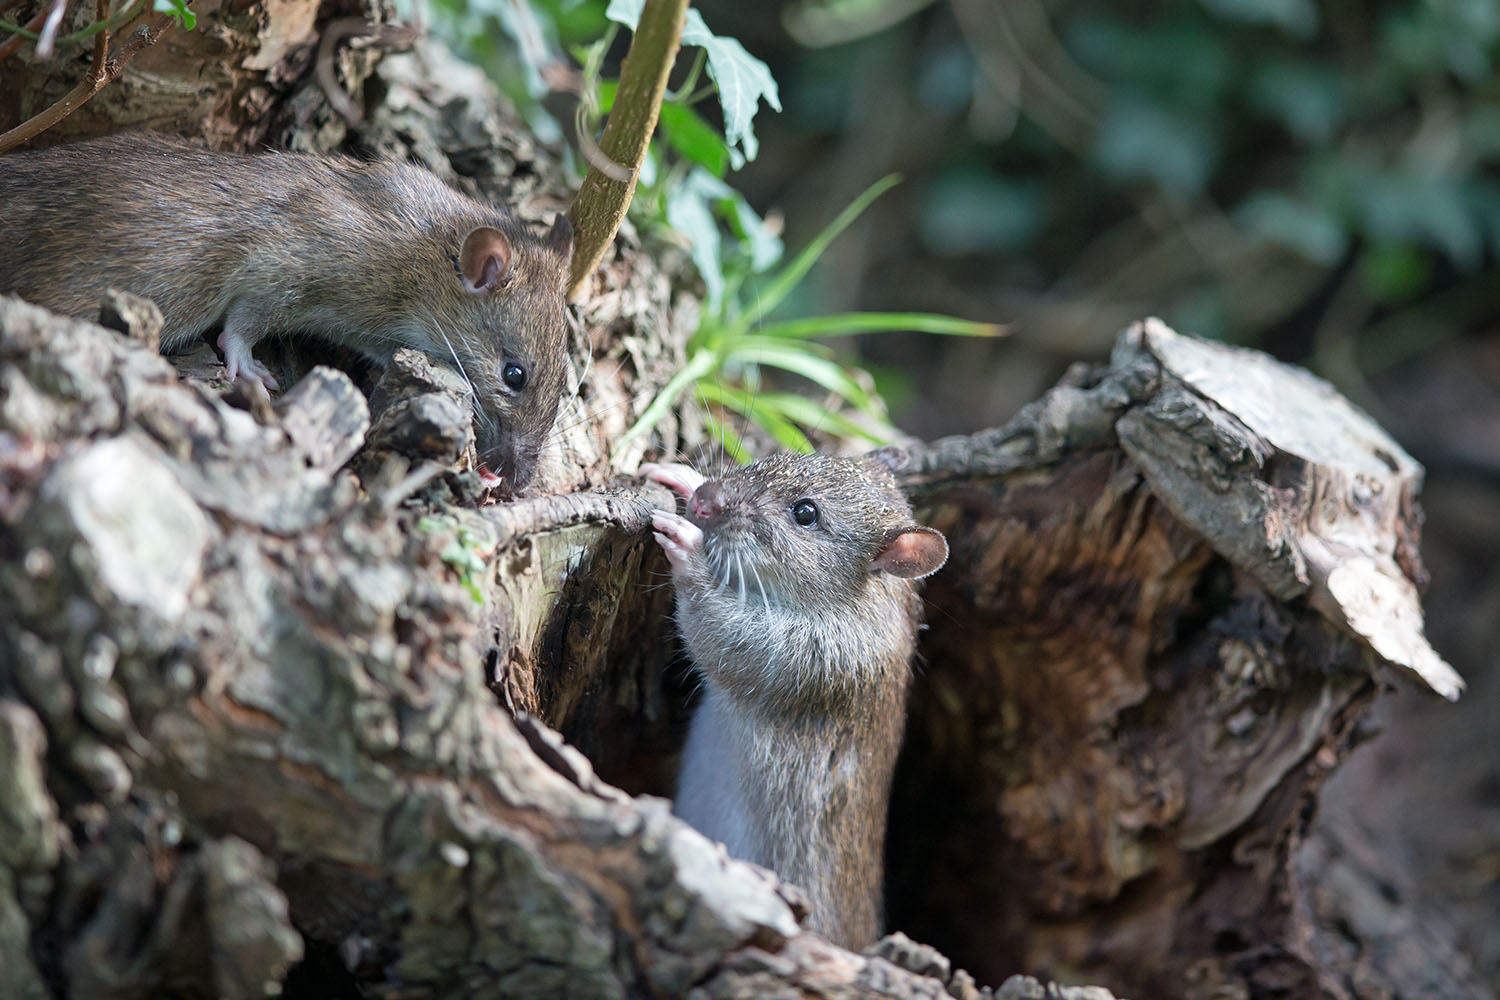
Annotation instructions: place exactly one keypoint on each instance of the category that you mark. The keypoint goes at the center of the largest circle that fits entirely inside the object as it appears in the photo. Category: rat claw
(680, 479)
(240, 363)
(678, 537)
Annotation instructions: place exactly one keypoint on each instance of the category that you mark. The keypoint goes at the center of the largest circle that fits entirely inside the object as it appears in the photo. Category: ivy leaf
(626, 12)
(694, 138)
(690, 212)
(694, 208)
(744, 81)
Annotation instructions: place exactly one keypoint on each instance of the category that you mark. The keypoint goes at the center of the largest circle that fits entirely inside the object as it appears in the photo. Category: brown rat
(373, 256)
(794, 597)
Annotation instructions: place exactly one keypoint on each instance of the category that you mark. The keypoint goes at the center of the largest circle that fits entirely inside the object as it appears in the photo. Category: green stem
(600, 207)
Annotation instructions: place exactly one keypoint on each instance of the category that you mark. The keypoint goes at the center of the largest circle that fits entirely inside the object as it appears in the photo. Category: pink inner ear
(913, 553)
(484, 259)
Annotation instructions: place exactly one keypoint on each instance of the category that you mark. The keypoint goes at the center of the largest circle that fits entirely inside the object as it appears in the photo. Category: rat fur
(803, 634)
(373, 256)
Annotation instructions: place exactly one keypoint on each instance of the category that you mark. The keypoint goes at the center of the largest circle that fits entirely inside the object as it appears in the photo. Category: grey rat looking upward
(372, 256)
(794, 597)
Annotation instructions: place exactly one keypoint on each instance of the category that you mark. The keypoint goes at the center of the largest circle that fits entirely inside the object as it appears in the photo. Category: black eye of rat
(514, 377)
(805, 513)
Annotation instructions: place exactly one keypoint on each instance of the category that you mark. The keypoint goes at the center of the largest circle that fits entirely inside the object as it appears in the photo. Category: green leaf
(694, 207)
(743, 80)
(797, 359)
(690, 212)
(762, 410)
(699, 365)
(790, 276)
(846, 324)
(179, 10)
(732, 443)
(1394, 273)
(627, 12)
(694, 138)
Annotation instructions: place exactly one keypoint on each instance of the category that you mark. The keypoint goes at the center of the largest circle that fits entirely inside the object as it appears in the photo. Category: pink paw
(678, 478)
(678, 537)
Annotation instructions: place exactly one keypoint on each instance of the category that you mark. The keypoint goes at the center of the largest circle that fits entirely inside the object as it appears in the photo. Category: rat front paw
(680, 479)
(678, 537)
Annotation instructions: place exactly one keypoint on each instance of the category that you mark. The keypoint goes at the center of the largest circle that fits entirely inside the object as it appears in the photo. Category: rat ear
(912, 552)
(560, 240)
(892, 456)
(483, 261)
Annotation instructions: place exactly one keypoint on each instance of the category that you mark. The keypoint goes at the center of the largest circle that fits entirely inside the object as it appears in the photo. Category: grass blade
(789, 276)
(846, 324)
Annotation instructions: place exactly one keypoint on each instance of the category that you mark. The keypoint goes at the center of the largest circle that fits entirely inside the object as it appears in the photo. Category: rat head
(803, 531)
(503, 317)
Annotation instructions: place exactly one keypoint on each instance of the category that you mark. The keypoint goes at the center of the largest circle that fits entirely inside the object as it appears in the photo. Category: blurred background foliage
(1317, 180)
(1313, 179)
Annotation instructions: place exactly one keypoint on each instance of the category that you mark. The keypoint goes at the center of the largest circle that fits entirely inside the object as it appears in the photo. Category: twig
(48, 37)
(103, 71)
(14, 42)
(600, 207)
(361, 34)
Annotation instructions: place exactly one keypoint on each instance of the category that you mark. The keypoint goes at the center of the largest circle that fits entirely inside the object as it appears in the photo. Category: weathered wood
(1153, 641)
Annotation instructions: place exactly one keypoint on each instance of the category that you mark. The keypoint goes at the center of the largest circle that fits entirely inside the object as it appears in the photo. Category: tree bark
(280, 705)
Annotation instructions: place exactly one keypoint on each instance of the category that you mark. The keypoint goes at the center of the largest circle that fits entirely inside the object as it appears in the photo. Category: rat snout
(708, 500)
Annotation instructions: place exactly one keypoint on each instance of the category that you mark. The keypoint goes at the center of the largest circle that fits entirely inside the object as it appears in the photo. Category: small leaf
(690, 212)
(178, 9)
(626, 12)
(694, 138)
(743, 80)
(1394, 273)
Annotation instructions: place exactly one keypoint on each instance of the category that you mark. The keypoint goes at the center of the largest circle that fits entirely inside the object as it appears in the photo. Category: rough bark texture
(278, 701)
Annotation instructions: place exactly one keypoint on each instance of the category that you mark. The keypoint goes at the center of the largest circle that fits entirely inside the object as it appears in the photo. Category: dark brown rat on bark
(373, 256)
(794, 597)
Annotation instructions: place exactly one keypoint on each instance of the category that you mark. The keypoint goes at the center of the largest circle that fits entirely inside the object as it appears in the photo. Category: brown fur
(804, 647)
(363, 254)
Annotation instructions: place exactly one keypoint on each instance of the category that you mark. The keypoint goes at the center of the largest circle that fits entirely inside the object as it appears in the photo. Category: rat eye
(514, 377)
(805, 513)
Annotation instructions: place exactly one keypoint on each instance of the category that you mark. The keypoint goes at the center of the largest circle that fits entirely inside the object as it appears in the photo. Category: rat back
(321, 244)
(365, 255)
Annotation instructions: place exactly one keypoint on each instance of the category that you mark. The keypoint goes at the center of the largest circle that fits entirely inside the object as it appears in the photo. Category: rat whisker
(765, 602)
(474, 395)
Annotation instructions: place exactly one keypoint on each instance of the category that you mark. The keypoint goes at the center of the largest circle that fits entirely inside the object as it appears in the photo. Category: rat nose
(708, 500)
